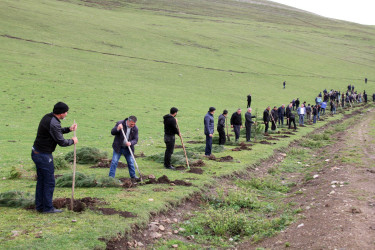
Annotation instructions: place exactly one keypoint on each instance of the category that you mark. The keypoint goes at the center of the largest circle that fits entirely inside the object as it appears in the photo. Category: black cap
(173, 110)
(225, 112)
(60, 108)
(211, 109)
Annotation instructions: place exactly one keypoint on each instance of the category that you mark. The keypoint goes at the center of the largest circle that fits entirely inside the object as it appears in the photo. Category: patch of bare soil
(195, 142)
(106, 163)
(227, 158)
(79, 205)
(111, 211)
(165, 180)
(198, 163)
(196, 170)
(272, 139)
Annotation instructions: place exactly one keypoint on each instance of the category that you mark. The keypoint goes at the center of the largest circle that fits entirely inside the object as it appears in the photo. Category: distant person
(373, 97)
(297, 103)
(284, 84)
(266, 119)
(365, 80)
(221, 127)
(236, 123)
(50, 133)
(249, 100)
(170, 130)
(281, 114)
(365, 96)
(352, 87)
(248, 123)
(209, 129)
(120, 147)
(293, 103)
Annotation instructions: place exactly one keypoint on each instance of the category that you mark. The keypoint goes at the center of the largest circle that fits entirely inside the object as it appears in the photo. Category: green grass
(111, 59)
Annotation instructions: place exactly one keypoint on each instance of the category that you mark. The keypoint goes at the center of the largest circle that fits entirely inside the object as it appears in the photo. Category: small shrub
(14, 173)
(86, 155)
(82, 180)
(16, 199)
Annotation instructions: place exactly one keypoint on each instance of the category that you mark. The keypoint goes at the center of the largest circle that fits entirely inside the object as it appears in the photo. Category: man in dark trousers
(284, 84)
(274, 117)
(365, 80)
(248, 123)
(209, 130)
(266, 119)
(170, 130)
(236, 123)
(50, 133)
(281, 114)
(297, 103)
(292, 119)
(249, 100)
(288, 110)
(221, 127)
(365, 96)
(120, 147)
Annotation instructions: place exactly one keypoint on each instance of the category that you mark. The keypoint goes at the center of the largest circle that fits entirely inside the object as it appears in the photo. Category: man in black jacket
(236, 123)
(170, 130)
(120, 147)
(288, 110)
(274, 117)
(281, 114)
(50, 133)
(248, 123)
(221, 127)
(266, 119)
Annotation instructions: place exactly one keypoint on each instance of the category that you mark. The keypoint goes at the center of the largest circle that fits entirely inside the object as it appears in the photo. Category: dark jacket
(274, 115)
(221, 122)
(236, 119)
(170, 125)
(297, 103)
(249, 98)
(266, 116)
(119, 138)
(281, 111)
(209, 124)
(50, 133)
(248, 120)
(288, 112)
(315, 110)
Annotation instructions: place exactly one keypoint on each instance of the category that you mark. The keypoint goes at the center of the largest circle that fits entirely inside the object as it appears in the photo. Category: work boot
(171, 167)
(53, 211)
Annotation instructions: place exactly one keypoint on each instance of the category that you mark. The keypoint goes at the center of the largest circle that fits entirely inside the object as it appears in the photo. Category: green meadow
(111, 59)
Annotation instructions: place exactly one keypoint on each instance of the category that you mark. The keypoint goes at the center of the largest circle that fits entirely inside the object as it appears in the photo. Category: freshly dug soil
(165, 180)
(227, 158)
(110, 211)
(272, 139)
(212, 158)
(78, 206)
(265, 142)
(178, 146)
(126, 182)
(288, 133)
(195, 142)
(180, 167)
(236, 149)
(106, 163)
(182, 183)
(198, 163)
(282, 136)
(196, 171)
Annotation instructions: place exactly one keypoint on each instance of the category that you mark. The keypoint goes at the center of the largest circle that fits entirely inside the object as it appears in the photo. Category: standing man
(249, 100)
(301, 113)
(287, 113)
(209, 129)
(120, 147)
(266, 119)
(292, 119)
(221, 127)
(297, 103)
(308, 112)
(281, 114)
(50, 133)
(170, 130)
(366, 80)
(274, 117)
(284, 84)
(236, 123)
(248, 123)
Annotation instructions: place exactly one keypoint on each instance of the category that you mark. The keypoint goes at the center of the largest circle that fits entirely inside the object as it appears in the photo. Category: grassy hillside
(111, 59)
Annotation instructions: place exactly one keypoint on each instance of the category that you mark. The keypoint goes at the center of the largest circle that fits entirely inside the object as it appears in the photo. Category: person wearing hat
(248, 123)
(209, 129)
(170, 130)
(50, 133)
(221, 127)
(121, 147)
(236, 123)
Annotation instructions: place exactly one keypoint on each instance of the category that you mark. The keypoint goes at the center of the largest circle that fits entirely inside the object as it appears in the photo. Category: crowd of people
(125, 132)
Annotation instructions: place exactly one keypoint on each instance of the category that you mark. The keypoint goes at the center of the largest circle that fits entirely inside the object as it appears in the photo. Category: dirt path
(339, 205)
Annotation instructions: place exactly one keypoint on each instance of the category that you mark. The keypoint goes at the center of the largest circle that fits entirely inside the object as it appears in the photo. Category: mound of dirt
(165, 180)
(195, 142)
(196, 171)
(272, 139)
(78, 206)
(110, 211)
(182, 183)
(236, 149)
(265, 142)
(282, 136)
(198, 163)
(126, 182)
(288, 133)
(227, 158)
(180, 167)
(106, 163)
(212, 158)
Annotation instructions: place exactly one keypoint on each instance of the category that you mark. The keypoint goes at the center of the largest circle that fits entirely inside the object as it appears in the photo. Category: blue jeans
(129, 159)
(45, 184)
(208, 149)
(301, 119)
(314, 119)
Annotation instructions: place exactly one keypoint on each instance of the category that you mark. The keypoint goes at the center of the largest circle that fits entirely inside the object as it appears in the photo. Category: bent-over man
(50, 133)
(221, 127)
(121, 147)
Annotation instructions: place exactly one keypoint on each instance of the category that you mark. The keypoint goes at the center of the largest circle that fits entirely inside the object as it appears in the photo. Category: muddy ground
(338, 205)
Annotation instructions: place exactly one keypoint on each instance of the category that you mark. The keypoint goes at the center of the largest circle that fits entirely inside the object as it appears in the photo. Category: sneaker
(52, 211)
(170, 167)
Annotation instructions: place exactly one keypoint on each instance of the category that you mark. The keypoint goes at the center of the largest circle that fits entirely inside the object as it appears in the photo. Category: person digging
(121, 146)
(170, 130)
